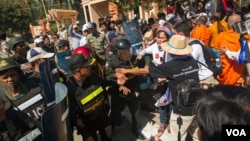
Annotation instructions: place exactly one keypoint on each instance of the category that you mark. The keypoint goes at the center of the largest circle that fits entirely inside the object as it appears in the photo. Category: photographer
(182, 67)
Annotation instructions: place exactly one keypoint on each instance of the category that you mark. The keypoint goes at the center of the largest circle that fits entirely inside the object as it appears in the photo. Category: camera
(188, 92)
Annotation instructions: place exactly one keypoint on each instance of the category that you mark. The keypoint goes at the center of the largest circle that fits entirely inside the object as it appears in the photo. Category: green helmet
(13, 41)
(8, 63)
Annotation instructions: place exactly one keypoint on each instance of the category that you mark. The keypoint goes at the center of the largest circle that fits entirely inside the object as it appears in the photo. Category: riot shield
(62, 60)
(133, 35)
(48, 81)
(55, 120)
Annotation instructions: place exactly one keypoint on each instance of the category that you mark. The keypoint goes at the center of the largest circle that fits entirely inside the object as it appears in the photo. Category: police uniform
(88, 106)
(132, 100)
(99, 42)
(18, 58)
(88, 103)
(23, 61)
(18, 126)
(30, 99)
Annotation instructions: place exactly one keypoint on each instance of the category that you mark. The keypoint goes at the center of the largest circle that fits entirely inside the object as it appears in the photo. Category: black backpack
(211, 56)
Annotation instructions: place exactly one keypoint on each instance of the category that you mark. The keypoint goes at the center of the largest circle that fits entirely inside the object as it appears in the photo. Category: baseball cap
(85, 27)
(63, 43)
(91, 25)
(37, 53)
(38, 40)
(8, 63)
(79, 61)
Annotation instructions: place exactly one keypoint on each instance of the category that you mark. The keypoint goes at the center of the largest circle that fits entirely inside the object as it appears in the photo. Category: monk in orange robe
(232, 71)
(201, 31)
(216, 28)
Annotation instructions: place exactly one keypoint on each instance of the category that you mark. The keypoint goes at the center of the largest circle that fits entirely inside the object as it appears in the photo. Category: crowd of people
(193, 101)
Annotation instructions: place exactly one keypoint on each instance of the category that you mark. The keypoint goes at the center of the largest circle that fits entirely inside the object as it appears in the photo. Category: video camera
(188, 92)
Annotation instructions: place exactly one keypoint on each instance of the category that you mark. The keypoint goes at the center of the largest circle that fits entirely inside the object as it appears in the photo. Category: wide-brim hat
(177, 45)
(79, 61)
(37, 53)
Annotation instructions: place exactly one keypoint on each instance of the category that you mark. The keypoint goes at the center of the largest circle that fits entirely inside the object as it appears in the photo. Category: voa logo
(236, 132)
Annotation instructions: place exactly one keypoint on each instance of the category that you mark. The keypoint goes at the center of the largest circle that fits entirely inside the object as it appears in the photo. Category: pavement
(149, 122)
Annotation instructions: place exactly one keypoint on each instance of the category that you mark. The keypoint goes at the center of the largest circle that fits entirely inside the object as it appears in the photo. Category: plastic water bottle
(217, 63)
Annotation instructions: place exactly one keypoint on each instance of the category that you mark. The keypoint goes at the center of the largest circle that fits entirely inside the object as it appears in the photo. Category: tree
(127, 5)
(14, 17)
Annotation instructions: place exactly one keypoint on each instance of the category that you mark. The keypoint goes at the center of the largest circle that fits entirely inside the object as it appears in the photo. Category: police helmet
(122, 44)
(8, 63)
(84, 50)
(13, 41)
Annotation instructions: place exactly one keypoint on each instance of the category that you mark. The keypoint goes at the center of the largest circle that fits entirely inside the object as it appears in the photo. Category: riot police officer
(26, 98)
(18, 45)
(16, 125)
(124, 60)
(88, 101)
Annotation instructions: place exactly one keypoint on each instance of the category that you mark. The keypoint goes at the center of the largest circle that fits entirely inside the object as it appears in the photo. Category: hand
(124, 90)
(223, 50)
(139, 56)
(121, 78)
(205, 85)
(121, 70)
(160, 81)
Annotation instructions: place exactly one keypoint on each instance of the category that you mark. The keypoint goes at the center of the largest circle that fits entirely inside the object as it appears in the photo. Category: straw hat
(177, 46)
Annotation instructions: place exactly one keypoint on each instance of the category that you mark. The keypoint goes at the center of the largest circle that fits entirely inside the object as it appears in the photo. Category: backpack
(211, 56)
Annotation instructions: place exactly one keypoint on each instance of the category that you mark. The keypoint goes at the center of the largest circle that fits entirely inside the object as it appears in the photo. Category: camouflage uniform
(99, 42)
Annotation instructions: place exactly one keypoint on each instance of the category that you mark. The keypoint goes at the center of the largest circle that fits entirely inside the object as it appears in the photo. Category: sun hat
(177, 46)
(37, 53)
(79, 61)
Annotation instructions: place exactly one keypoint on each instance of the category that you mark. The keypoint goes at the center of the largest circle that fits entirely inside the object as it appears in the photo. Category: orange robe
(232, 71)
(202, 33)
(214, 31)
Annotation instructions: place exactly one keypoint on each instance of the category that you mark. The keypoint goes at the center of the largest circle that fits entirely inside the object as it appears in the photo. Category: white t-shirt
(156, 53)
(83, 41)
(198, 55)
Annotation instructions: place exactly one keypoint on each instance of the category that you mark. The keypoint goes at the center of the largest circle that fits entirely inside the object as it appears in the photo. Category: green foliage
(14, 18)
